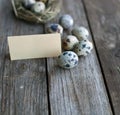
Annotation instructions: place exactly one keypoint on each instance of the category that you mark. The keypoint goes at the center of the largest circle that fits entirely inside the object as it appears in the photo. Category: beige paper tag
(34, 46)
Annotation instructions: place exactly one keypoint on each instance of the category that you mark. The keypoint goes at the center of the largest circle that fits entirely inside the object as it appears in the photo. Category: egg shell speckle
(38, 7)
(69, 42)
(68, 60)
(66, 21)
(28, 3)
(54, 28)
(83, 48)
(81, 33)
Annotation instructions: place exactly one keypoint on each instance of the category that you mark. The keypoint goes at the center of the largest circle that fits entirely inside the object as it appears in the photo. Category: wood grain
(104, 19)
(23, 88)
(79, 91)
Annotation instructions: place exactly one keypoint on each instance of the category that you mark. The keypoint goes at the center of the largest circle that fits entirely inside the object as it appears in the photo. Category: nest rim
(52, 9)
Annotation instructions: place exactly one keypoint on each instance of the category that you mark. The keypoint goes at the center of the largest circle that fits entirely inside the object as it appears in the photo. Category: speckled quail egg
(69, 42)
(54, 28)
(28, 3)
(38, 7)
(68, 60)
(83, 48)
(80, 32)
(66, 21)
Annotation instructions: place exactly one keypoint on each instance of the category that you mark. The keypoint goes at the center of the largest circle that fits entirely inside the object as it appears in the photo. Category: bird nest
(52, 9)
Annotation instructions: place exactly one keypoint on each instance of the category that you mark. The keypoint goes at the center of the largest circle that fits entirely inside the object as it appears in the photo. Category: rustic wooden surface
(23, 85)
(79, 91)
(40, 87)
(104, 19)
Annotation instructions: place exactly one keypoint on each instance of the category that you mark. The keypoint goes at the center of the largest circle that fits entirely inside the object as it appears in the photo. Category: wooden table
(40, 87)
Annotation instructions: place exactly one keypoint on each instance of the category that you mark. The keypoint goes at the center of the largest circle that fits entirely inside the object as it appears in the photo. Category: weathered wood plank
(23, 88)
(79, 91)
(104, 18)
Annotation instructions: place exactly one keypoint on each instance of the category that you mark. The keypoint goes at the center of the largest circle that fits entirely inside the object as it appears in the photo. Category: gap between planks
(106, 86)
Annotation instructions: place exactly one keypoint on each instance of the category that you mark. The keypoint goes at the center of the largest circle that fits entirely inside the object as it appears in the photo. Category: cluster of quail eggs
(36, 6)
(74, 45)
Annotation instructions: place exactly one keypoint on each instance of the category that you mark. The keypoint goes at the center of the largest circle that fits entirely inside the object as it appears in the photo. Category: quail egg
(69, 42)
(38, 7)
(83, 48)
(66, 21)
(80, 32)
(28, 3)
(68, 60)
(54, 28)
